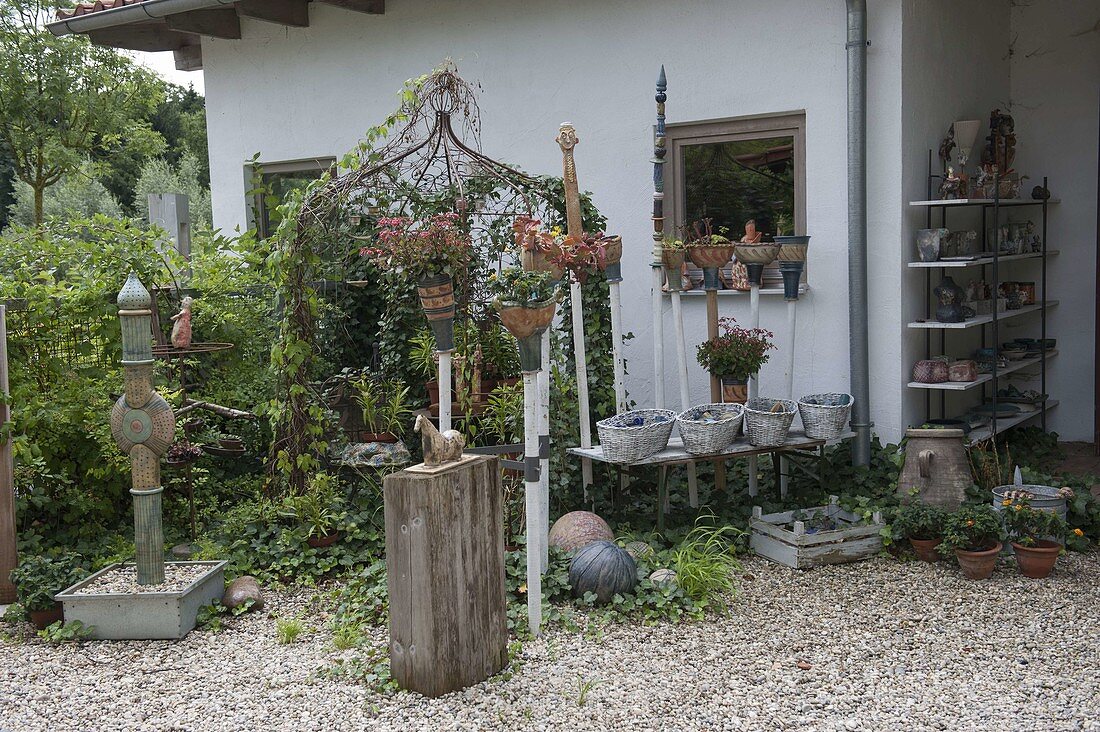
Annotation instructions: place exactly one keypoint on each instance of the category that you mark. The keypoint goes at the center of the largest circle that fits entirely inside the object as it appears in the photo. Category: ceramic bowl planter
(613, 253)
(539, 261)
(320, 542)
(735, 390)
(792, 261)
(437, 297)
(925, 549)
(527, 324)
(673, 261)
(930, 371)
(711, 258)
(42, 619)
(1037, 561)
(755, 257)
(978, 565)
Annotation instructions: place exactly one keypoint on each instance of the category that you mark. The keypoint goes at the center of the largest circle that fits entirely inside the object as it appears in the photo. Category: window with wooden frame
(276, 180)
(735, 170)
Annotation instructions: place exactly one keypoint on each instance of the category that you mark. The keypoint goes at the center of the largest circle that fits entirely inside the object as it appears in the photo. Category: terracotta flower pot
(386, 437)
(437, 297)
(978, 565)
(711, 256)
(539, 261)
(527, 325)
(1037, 561)
(734, 390)
(43, 619)
(926, 549)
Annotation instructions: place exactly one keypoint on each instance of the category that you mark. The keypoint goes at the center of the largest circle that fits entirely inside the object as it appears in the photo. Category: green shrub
(1027, 526)
(971, 528)
(39, 578)
(920, 521)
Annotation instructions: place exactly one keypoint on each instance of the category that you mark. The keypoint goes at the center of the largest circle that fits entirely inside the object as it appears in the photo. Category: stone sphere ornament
(603, 569)
(578, 529)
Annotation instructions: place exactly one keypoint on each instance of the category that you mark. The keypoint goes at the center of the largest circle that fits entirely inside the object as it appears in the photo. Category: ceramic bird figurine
(181, 329)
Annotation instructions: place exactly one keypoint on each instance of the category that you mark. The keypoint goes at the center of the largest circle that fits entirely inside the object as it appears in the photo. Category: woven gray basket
(825, 415)
(633, 436)
(766, 428)
(705, 435)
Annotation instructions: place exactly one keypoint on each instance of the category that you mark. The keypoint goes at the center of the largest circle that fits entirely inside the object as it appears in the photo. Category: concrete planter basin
(146, 615)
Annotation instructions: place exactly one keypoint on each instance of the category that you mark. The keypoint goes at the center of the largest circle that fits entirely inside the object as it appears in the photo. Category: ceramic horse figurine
(438, 448)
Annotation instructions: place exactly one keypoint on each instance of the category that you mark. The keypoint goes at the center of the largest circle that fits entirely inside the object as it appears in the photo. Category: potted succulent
(431, 250)
(582, 256)
(320, 510)
(525, 302)
(537, 248)
(1034, 534)
(733, 356)
(182, 454)
(707, 250)
(39, 578)
(974, 534)
(385, 409)
(922, 525)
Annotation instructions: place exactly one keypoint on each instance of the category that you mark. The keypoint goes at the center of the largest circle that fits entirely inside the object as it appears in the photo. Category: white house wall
(297, 93)
(1055, 82)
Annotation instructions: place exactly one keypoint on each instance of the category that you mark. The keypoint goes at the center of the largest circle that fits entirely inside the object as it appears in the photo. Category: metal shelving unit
(990, 262)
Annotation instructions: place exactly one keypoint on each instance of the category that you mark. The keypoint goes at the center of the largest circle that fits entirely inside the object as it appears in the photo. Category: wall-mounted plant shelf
(981, 319)
(983, 261)
(983, 378)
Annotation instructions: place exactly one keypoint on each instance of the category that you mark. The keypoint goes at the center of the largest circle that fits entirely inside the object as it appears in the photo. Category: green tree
(63, 100)
(78, 194)
(181, 121)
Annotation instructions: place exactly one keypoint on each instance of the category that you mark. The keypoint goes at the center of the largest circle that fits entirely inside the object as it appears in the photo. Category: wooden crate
(781, 539)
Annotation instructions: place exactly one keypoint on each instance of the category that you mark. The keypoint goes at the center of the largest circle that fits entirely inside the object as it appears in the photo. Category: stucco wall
(1055, 100)
(294, 93)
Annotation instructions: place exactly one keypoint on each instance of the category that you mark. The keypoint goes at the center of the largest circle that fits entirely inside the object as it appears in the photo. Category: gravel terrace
(878, 645)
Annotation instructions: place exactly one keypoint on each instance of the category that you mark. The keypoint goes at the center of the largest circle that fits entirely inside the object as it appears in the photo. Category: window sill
(699, 291)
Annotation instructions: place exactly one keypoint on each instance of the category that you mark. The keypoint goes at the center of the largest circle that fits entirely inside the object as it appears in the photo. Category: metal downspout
(857, 229)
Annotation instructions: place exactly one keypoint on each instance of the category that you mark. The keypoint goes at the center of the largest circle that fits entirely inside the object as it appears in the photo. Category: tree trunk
(39, 199)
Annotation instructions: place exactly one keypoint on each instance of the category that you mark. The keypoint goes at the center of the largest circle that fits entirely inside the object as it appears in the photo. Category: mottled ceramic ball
(578, 529)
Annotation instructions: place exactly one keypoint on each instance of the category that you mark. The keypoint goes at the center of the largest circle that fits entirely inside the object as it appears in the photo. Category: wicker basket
(633, 436)
(764, 427)
(824, 415)
(703, 436)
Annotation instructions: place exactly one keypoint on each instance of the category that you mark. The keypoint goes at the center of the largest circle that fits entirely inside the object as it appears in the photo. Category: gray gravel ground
(879, 645)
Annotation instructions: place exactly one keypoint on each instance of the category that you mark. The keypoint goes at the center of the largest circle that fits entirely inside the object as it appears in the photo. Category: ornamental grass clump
(735, 352)
(421, 247)
(705, 563)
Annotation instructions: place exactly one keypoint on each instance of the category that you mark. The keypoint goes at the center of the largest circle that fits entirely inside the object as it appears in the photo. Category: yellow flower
(1007, 502)
(1078, 532)
(970, 523)
(1019, 508)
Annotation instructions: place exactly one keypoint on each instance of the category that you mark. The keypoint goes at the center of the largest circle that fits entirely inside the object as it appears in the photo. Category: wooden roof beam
(143, 38)
(188, 58)
(216, 22)
(283, 12)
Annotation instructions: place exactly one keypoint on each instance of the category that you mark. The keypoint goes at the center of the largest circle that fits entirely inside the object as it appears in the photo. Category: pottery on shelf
(961, 371)
(950, 297)
(929, 243)
(613, 255)
(792, 248)
(930, 371)
(734, 390)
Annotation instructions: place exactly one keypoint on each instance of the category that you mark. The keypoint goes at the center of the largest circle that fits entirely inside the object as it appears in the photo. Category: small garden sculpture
(181, 328)
(439, 447)
(143, 426)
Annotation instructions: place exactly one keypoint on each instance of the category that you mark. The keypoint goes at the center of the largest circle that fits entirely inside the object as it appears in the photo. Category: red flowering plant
(421, 248)
(582, 255)
(736, 352)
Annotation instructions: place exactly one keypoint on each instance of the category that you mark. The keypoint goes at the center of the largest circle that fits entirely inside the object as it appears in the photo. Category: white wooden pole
(8, 557)
(658, 339)
(444, 378)
(685, 397)
(754, 320)
(617, 346)
(544, 462)
(532, 486)
(790, 352)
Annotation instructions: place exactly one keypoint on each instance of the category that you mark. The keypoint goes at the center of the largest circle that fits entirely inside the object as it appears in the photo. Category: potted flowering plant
(673, 252)
(974, 534)
(733, 356)
(583, 256)
(525, 301)
(537, 247)
(922, 524)
(707, 250)
(432, 250)
(1030, 530)
(39, 578)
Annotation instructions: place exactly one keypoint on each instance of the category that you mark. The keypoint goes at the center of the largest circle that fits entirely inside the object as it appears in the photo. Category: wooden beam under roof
(374, 7)
(215, 22)
(283, 12)
(188, 58)
(143, 37)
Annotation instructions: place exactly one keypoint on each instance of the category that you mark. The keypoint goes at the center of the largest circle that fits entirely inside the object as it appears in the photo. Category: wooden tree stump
(445, 573)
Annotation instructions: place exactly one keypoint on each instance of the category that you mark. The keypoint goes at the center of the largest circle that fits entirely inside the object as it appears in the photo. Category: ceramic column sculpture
(143, 426)
(658, 244)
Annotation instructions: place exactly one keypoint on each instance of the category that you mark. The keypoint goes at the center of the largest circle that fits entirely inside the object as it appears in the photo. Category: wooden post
(617, 344)
(445, 573)
(567, 140)
(8, 556)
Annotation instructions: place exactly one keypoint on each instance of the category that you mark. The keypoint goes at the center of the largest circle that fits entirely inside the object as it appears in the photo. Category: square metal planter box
(801, 547)
(143, 615)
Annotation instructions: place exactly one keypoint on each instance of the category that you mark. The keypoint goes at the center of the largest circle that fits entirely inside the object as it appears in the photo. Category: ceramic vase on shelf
(930, 371)
(930, 243)
(437, 297)
(735, 390)
(673, 260)
(755, 257)
(950, 298)
(711, 258)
